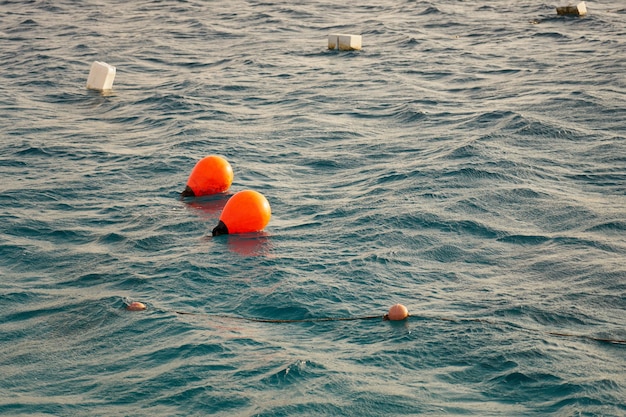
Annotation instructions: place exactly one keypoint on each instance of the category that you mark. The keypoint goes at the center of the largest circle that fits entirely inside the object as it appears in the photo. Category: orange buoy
(136, 306)
(246, 211)
(397, 312)
(211, 175)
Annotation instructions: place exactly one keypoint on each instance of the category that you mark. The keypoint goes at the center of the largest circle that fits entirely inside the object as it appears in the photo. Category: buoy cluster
(247, 211)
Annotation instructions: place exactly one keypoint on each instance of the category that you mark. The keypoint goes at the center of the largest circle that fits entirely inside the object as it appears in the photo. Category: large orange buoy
(246, 211)
(397, 312)
(211, 175)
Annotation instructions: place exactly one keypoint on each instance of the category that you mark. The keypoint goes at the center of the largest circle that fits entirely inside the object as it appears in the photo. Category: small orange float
(211, 175)
(245, 212)
(136, 306)
(397, 312)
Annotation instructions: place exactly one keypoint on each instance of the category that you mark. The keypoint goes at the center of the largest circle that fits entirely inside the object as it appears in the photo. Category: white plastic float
(101, 76)
(344, 42)
(578, 10)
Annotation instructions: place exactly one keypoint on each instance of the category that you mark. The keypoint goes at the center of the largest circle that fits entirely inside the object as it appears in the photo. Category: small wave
(430, 10)
(294, 373)
(611, 226)
(524, 239)
(404, 113)
(473, 174)
(447, 253)
(545, 317)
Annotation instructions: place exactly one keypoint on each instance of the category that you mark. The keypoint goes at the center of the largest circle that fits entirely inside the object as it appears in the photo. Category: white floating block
(579, 10)
(349, 42)
(101, 76)
(332, 41)
(344, 42)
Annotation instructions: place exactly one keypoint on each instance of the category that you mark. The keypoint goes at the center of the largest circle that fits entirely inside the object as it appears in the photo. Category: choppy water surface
(469, 162)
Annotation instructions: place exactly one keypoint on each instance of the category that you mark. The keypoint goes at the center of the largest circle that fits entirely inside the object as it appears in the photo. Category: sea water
(468, 162)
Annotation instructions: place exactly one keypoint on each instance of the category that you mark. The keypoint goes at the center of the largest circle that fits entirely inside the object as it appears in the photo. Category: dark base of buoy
(220, 229)
(188, 192)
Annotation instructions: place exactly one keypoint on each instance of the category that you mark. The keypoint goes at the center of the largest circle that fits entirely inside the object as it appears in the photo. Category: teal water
(469, 162)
